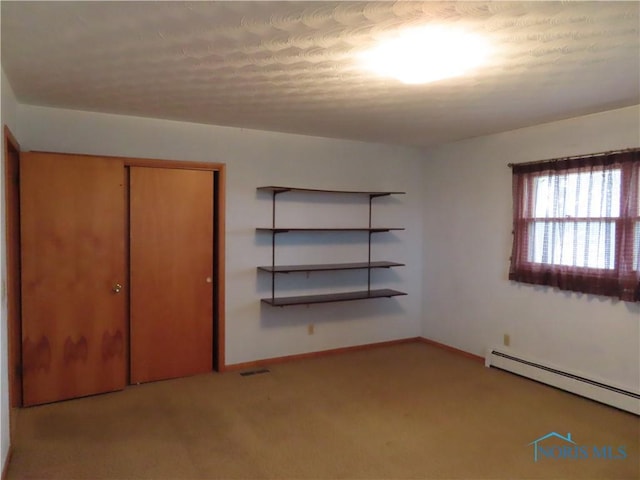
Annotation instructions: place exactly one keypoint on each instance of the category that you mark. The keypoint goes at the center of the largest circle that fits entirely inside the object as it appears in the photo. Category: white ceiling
(289, 66)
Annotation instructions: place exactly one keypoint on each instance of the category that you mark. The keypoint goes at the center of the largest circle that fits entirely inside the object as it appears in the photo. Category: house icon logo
(544, 437)
(554, 446)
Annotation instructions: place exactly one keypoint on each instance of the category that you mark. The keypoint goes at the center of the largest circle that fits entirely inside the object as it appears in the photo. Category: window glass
(578, 195)
(577, 244)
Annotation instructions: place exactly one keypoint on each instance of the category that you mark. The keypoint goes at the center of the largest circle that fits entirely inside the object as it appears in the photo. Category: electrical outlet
(311, 329)
(506, 340)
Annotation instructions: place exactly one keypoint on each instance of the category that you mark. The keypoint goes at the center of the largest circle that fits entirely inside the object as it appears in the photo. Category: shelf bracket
(369, 249)
(273, 245)
(274, 232)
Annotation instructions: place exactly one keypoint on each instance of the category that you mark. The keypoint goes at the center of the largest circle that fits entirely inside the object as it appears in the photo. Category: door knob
(116, 288)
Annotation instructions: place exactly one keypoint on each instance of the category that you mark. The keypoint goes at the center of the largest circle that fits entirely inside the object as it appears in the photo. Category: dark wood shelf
(331, 297)
(274, 269)
(353, 229)
(328, 267)
(278, 189)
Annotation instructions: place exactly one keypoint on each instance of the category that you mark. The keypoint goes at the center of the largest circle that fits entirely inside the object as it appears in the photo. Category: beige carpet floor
(406, 411)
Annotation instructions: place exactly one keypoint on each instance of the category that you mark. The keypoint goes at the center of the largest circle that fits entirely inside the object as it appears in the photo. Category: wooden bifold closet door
(80, 266)
(74, 335)
(171, 272)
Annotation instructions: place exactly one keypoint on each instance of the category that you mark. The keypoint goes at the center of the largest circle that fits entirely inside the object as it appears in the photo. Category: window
(576, 224)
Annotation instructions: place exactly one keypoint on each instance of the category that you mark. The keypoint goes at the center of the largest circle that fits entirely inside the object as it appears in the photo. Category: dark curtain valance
(603, 159)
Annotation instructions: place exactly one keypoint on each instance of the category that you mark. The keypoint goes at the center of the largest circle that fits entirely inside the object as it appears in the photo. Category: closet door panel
(73, 236)
(171, 272)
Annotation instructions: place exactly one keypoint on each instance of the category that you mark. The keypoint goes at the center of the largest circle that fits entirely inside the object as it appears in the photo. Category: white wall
(469, 302)
(257, 158)
(8, 117)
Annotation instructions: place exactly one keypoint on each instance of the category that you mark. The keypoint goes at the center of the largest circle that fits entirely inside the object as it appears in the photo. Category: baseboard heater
(618, 397)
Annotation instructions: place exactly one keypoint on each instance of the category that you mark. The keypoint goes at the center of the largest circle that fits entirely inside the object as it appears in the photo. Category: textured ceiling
(290, 67)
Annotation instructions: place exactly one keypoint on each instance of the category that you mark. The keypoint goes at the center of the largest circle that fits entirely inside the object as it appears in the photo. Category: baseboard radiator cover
(616, 396)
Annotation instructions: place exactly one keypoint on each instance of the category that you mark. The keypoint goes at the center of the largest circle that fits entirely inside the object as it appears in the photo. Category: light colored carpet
(406, 411)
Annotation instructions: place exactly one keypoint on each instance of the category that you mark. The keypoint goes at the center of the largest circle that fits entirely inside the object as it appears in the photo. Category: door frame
(12, 252)
(12, 199)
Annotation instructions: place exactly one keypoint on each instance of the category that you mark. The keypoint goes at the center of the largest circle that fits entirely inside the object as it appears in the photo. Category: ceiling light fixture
(427, 54)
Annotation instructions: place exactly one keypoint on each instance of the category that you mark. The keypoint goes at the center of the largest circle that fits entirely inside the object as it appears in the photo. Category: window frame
(530, 220)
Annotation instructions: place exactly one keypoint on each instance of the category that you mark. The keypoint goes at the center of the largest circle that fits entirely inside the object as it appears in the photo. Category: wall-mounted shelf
(332, 297)
(285, 230)
(277, 189)
(285, 269)
(328, 267)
